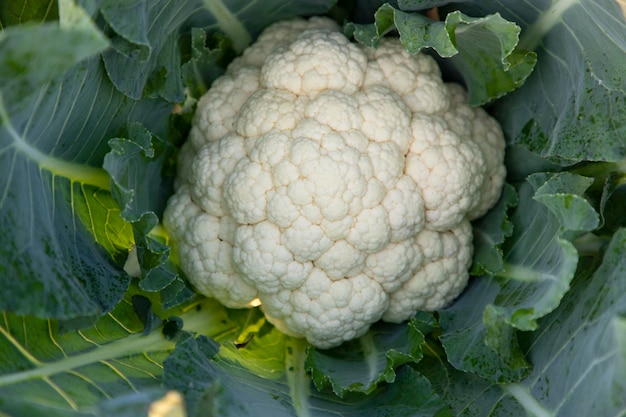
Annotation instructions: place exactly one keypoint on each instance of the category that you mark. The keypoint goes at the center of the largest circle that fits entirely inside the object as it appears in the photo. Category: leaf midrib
(75, 172)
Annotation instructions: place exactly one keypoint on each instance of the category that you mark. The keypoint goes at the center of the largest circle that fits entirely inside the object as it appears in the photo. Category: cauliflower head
(332, 184)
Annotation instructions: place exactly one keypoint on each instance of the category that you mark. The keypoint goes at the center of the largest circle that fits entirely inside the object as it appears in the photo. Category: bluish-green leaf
(144, 38)
(578, 353)
(539, 263)
(571, 108)
(50, 183)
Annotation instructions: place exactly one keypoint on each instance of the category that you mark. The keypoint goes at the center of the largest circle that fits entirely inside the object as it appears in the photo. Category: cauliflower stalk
(332, 184)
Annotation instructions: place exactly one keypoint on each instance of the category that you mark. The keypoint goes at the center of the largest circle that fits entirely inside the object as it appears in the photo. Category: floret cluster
(332, 184)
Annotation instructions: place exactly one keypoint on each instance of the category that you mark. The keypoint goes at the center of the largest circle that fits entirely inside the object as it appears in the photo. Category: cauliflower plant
(332, 184)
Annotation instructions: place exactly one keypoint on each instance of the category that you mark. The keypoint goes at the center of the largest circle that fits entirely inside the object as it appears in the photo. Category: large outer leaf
(539, 263)
(52, 140)
(58, 109)
(217, 384)
(572, 107)
(579, 356)
(44, 371)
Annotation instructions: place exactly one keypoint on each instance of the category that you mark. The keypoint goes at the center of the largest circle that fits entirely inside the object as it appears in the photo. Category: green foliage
(95, 98)
(484, 49)
(22, 11)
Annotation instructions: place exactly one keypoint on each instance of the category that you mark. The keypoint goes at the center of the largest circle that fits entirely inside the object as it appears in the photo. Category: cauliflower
(332, 184)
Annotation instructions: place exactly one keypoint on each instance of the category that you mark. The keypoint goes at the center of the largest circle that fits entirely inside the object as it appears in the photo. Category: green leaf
(579, 355)
(23, 68)
(144, 37)
(467, 394)
(489, 58)
(540, 259)
(539, 264)
(215, 383)
(16, 12)
(205, 63)
(144, 43)
(484, 49)
(478, 340)
(50, 181)
(140, 167)
(571, 108)
(361, 365)
(46, 372)
(490, 232)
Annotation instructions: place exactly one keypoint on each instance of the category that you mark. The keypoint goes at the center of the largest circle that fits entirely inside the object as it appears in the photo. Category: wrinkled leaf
(579, 355)
(490, 232)
(361, 365)
(144, 39)
(484, 49)
(134, 163)
(205, 63)
(571, 108)
(145, 35)
(539, 264)
(215, 384)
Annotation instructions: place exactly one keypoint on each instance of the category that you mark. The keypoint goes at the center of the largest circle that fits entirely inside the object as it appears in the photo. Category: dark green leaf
(143, 309)
(539, 264)
(571, 108)
(16, 12)
(218, 384)
(205, 63)
(361, 365)
(172, 327)
(139, 166)
(484, 49)
(490, 232)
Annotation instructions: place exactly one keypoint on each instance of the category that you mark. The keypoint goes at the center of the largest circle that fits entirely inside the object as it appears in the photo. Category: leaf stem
(75, 172)
(525, 398)
(229, 24)
(203, 318)
(297, 379)
(533, 35)
(370, 352)
(589, 244)
(134, 344)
